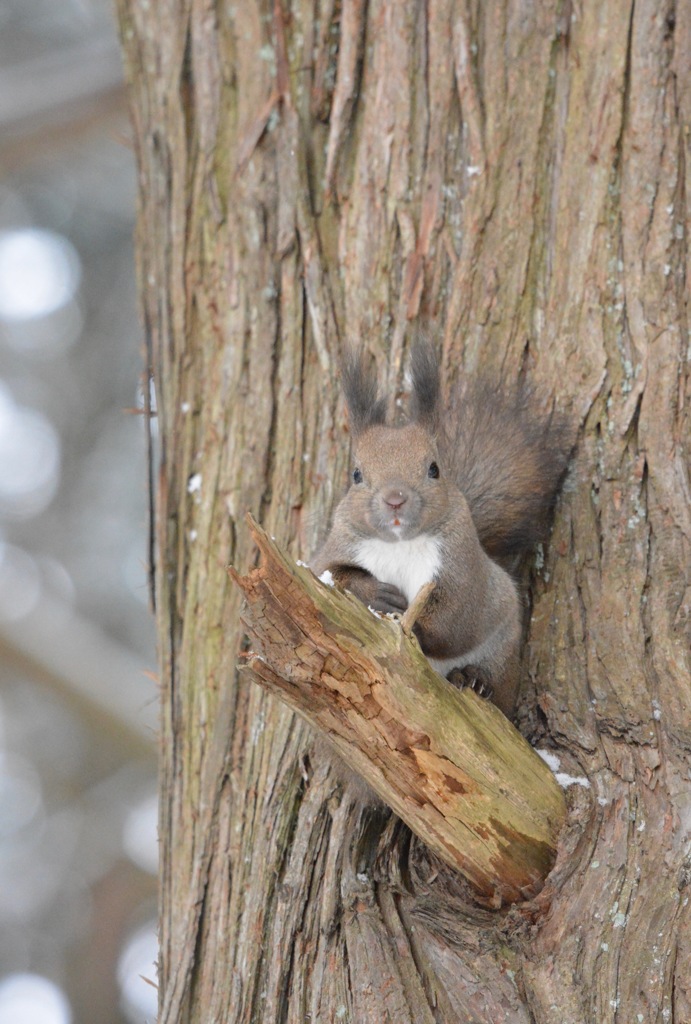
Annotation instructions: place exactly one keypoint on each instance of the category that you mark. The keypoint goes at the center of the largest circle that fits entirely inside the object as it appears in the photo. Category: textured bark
(450, 764)
(517, 174)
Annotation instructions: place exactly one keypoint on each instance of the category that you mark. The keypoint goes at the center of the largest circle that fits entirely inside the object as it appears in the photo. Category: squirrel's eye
(357, 476)
(433, 471)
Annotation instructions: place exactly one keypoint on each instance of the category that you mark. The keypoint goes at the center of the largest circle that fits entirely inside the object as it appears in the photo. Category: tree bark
(449, 763)
(517, 175)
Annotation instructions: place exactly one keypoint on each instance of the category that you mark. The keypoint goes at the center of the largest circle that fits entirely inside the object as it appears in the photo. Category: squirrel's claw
(467, 678)
(482, 689)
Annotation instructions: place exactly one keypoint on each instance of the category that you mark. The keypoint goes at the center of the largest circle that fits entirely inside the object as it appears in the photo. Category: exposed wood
(517, 173)
(451, 765)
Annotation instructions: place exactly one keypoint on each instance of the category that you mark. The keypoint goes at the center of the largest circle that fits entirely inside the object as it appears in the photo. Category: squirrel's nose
(395, 499)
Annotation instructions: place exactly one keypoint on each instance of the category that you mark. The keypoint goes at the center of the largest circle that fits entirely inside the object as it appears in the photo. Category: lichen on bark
(517, 175)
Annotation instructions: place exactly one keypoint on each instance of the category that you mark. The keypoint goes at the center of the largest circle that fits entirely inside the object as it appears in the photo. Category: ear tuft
(424, 370)
(365, 407)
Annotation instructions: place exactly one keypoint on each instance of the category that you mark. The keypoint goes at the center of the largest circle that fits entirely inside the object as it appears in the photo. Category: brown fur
(481, 489)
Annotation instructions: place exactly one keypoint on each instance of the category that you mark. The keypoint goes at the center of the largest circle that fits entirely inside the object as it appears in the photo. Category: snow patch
(550, 759)
(563, 778)
(326, 577)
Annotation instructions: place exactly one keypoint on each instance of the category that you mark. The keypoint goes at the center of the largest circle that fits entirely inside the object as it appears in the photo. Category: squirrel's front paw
(389, 599)
(471, 679)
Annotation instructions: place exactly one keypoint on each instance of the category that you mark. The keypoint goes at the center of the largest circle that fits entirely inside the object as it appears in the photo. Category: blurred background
(78, 710)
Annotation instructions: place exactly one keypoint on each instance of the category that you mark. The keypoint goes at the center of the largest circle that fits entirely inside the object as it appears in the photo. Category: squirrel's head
(399, 488)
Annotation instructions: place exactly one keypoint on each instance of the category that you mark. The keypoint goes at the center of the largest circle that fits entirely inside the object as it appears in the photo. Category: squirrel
(457, 497)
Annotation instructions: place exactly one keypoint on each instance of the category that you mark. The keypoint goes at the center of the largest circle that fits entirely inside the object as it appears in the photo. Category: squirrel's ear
(365, 407)
(424, 371)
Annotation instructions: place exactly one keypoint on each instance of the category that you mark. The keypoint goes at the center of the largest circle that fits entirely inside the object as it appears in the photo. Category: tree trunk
(515, 174)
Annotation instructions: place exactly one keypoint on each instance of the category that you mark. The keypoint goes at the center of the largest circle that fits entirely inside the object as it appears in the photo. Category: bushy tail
(508, 459)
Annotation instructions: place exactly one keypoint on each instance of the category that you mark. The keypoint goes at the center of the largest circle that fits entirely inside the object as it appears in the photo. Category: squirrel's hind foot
(471, 678)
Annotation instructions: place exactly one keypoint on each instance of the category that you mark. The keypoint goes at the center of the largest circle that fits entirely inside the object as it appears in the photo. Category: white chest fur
(407, 564)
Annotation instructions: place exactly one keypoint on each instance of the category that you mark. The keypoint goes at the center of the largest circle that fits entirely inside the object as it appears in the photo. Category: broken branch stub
(449, 764)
